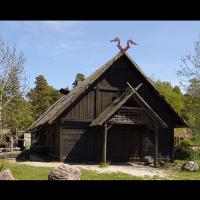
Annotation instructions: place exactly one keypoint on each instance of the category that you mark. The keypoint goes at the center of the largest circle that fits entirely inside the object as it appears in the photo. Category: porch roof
(119, 102)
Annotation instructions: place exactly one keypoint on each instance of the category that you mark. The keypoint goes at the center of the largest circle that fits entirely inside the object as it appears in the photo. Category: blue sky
(61, 49)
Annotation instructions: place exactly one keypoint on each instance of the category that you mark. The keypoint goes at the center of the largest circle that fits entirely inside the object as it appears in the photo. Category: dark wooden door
(124, 142)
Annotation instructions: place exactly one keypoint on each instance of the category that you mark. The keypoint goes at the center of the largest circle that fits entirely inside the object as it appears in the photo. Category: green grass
(179, 174)
(25, 172)
(184, 175)
(92, 175)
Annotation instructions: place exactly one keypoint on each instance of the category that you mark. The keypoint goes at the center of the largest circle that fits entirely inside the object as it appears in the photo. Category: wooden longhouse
(116, 114)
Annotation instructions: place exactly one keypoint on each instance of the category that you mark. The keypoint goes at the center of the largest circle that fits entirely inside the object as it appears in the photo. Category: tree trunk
(1, 123)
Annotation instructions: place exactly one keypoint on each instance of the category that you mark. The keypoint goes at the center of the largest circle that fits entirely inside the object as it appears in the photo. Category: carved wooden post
(156, 145)
(104, 144)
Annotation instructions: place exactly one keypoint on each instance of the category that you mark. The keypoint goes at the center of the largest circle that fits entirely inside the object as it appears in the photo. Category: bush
(185, 144)
(196, 139)
(185, 152)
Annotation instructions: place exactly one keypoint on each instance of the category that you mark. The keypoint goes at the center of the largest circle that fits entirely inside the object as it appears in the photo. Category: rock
(65, 172)
(190, 166)
(6, 175)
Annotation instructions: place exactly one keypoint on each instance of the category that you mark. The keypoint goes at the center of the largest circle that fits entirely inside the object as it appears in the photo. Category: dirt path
(131, 168)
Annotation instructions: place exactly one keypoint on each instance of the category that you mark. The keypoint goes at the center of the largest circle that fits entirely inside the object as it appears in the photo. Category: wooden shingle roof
(119, 102)
(58, 107)
(65, 101)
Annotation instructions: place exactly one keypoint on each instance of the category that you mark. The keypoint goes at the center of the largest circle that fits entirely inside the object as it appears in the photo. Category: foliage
(79, 77)
(172, 95)
(195, 140)
(18, 115)
(42, 96)
(192, 104)
(190, 67)
(189, 73)
(184, 151)
(12, 85)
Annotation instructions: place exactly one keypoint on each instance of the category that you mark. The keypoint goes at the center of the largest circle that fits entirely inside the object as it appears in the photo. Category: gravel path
(129, 168)
(132, 169)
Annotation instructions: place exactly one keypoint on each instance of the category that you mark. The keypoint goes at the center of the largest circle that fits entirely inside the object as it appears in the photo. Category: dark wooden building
(116, 114)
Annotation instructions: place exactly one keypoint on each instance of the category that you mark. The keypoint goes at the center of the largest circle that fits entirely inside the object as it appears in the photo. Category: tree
(190, 67)
(42, 96)
(192, 104)
(79, 77)
(173, 95)
(190, 74)
(12, 81)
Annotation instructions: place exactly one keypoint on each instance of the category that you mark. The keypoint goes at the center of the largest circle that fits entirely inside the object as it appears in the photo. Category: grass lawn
(185, 175)
(26, 172)
(92, 175)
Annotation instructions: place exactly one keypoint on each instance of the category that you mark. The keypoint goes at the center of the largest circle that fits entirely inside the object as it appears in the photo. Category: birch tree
(12, 77)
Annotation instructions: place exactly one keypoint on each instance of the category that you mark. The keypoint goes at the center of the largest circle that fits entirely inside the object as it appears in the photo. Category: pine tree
(42, 96)
(79, 77)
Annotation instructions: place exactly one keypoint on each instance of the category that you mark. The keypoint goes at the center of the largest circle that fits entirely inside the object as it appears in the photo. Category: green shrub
(195, 140)
(185, 152)
(185, 143)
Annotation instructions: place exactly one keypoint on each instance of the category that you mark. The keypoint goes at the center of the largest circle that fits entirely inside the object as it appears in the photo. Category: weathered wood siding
(83, 108)
(110, 84)
(76, 142)
(166, 144)
(73, 140)
(147, 146)
(124, 143)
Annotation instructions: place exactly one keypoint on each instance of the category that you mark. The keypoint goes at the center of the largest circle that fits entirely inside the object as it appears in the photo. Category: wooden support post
(11, 143)
(156, 145)
(172, 147)
(104, 144)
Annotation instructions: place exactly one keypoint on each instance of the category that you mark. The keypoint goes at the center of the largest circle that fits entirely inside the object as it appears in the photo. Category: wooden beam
(105, 89)
(104, 144)
(96, 102)
(109, 127)
(156, 145)
(134, 89)
(141, 102)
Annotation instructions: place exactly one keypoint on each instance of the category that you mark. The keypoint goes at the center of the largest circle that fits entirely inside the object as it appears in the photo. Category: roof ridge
(84, 84)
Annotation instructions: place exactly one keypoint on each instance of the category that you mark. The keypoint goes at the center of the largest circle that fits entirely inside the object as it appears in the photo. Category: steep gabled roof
(119, 102)
(65, 101)
(58, 107)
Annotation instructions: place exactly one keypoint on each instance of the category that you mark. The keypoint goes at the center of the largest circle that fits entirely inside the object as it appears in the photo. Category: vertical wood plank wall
(71, 141)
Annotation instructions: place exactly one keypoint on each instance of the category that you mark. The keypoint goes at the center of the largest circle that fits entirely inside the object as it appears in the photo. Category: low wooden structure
(116, 114)
(181, 134)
